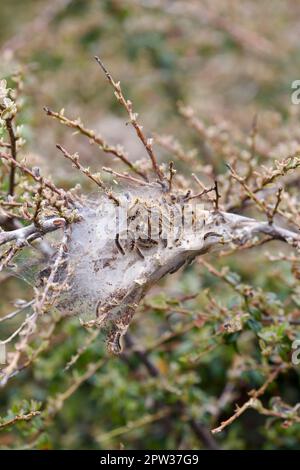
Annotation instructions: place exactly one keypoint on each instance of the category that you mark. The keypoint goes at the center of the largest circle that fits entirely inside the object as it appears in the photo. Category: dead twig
(96, 139)
(93, 177)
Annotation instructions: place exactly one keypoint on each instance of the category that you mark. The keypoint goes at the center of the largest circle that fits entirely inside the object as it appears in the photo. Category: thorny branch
(27, 234)
(95, 178)
(18, 418)
(224, 228)
(97, 139)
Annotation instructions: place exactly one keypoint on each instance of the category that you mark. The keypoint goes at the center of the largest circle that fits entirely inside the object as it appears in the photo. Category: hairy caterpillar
(117, 253)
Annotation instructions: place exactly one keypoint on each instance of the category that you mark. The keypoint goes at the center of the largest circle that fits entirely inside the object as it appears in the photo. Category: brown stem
(128, 106)
(249, 403)
(200, 431)
(13, 150)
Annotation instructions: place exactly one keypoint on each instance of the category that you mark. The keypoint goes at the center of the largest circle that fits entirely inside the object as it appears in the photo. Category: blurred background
(233, 62)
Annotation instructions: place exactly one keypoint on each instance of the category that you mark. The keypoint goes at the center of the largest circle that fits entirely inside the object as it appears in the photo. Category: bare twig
(18, 418)
(37, 177)
(95, 178)
(133, 119)
(36, 27)
(250, 193)
(43, 301)
(200, 431)
(249, 403)
(13, 149)
(217, 196)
